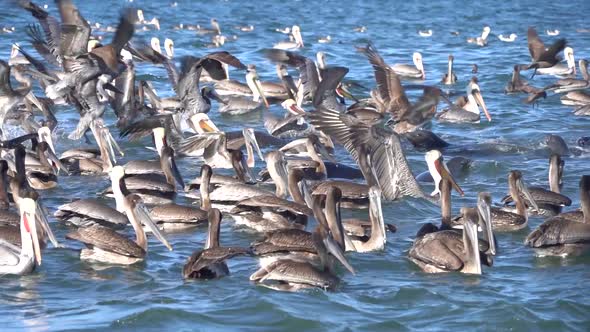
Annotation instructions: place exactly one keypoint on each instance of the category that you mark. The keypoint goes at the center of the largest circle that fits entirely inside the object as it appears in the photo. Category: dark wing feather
(125, 30)
(5, 87)
(144, 127)
(437, 249)
(325, 94)
(536, 46)
(556, 231)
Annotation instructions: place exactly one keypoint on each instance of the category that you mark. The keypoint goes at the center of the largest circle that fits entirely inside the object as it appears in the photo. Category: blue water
(520, 292)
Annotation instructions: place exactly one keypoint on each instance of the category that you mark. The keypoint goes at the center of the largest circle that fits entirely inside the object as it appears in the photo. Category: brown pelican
(450, 250)
(572, 84)
(235, 105)
(89, 212)
(23, 260)
(292, 275)
(295, 43)
(450, 77)
(562, 69)
(392, 97)
(481, 40)
(416, 71)
(518, 84)
(107, 246)
(269, 212)
(215, 150)
(209, 263)
(467, 110)
(44, 175)
(549, 201)
(377, 151)
(91, 161)
(562, 235)
(542, 57)
(507, 39)
(506, 221)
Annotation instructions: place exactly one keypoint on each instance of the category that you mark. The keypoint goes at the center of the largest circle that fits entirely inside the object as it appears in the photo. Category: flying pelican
(542, 57)
(560, 69)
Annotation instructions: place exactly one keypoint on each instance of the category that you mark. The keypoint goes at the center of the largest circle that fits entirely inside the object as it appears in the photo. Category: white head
(169, 47)
(291, 106)
(296, 32)
(155, 22)
(417, 58)
(433, 158)
(44, 134)
(201, 123)
(155, 43)
(92, 44)
(14, 50)
(159, 139)
(140, 17)
(321, 59)
(486, 32)
(569, 57)
(126, 55)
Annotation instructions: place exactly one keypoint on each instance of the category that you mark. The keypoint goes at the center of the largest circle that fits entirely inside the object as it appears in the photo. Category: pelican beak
(334, 248)
(251, 137)
(478, 97)
(214, 95)
(470, 231)
(260, 91)
(143, 217)
(523, 188)
(32, 228)
(249, 176)
(376, 213)
(204, 124)
(41, 218)
(175, 171)
(33, 99)
(344, 93)
(51, 157)
(296, 110)
(486, 217)
(444, 172)
(111, 143)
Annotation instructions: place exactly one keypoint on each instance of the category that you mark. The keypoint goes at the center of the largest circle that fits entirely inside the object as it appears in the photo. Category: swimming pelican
(566, 85)
(481, 40)
(296, 44)
(450, 77)
(416, 71)
(235, 105)
(216, 29)
(508, 39)
(141, 20)
(552, 32)
(107, 246)
(450, 250)
(425, 33)
(23, 260)
(560, 69)
(245, 28)
(209, 263)
(562, 235)
(468, 108)
(325, 40)
(550, 202)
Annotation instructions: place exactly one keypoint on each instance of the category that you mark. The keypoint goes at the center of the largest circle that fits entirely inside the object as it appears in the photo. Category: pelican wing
(295, 272)
(107, 240)
(144, 127)
(5, 87)
(439, 249)
(389, 85)
(202, 258)
(272, 201)
(308, 73)
(75, 30)
(536, 46)
(199, 141)
(325, 95)
(556, 231)
(212, 63)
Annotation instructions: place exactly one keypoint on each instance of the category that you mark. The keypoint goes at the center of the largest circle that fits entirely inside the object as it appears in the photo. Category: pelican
(567, 85)
(216, 29)
(268, 213)
(542, 57)
(89, 212)
(450, 77)
(392, 98)
(407, 71)
(560, 69)
(378, 238)
(449, 250)
(481, 40)
(325, 40)
(209, 263)
(562, 235)
(235, 105)
(506, 221)
(296, 44)
(292, 275)
(554, 32)
(508, 39)
(141, 20)
(245, 28)
(468, 108)
(550, 201)
(107, 246)
(425, 33)
(23, 260)
(43, 175)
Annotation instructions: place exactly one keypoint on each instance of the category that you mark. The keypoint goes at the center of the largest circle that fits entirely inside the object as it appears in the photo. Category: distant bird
(543, 58)
(325, 40)
(481, 40)
(552, 32)
(425, 33)
(509, 39)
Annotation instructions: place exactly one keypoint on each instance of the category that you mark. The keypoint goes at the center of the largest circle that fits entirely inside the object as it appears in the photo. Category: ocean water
(520, 292)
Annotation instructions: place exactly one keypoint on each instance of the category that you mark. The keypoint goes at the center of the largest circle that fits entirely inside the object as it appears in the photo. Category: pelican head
(168, 165)
(155, 43)
(169, 47)
(486, 32)
(296, 32)
(568, 52)
(201, 123)
(291, 106)
(417, 58)
(474, 93)
(216, 26)
(321, 59)
(472, 262)
(140, 17)
(254, 85)
(438, 170)
(484, 202)
(517, 185)
(92, 44)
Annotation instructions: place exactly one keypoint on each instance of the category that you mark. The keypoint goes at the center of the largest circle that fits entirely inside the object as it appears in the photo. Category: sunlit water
(520, 292)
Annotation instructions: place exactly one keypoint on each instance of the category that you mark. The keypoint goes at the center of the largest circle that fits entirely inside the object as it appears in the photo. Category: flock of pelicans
(302, 180)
